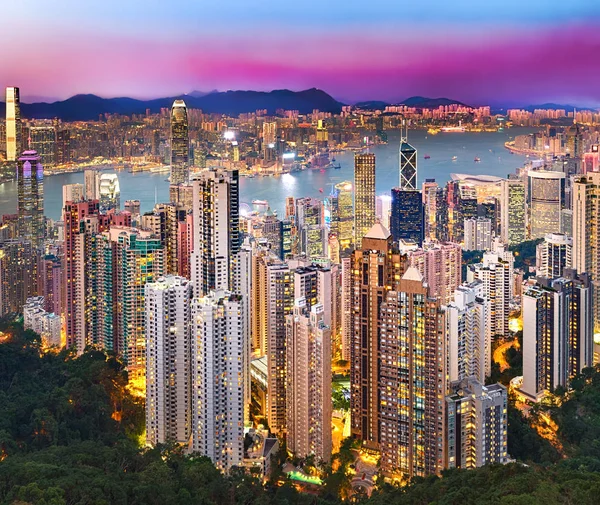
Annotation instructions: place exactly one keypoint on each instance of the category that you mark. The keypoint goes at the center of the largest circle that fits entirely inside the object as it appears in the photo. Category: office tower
(290, 208)
(73, 193)
(346, 308)
(586, 233)
(469, 345)
(287, 238)
(553, 255)
(313, 236)
(344, 216)
(364, 195)
(462, 204)
(17, 275)
(269, 140)
(50, 279)
(216, 232)
(477, 424)
(383, 209)
(63, 145)
(271, 228)
(375, 270)
(46, 325)
(217, 379)
(30, 203)
(14, 140)
(182, 195)
(478, 234)
(408, 162)
(180, 144)
(109, 192)
(413, 379)
(546, 201)
(442, 233)
(308, 373)
(91, 182)
(168, 360)
(80, 220)
(133, 206)
(429, 193)
(557, 332)
(42, 139)
(407, 218)
(440, 266)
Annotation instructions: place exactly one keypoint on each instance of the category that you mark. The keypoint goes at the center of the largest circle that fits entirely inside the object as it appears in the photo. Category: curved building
(180, 146)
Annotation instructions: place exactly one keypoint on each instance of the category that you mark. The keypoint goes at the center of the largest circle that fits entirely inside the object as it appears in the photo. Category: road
(501, 351)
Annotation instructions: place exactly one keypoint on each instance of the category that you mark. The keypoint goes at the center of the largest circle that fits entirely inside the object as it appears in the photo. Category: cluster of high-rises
(225, 318)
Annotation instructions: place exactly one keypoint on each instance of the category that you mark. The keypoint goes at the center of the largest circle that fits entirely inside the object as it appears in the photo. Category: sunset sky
(497, 52)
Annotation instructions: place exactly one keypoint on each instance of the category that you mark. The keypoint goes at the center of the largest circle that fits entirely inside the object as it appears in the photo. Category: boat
(477, 159)
(454, 158)
(337, 166)
(320, 190)
(426, 156)
(433, 131)
(453, 129)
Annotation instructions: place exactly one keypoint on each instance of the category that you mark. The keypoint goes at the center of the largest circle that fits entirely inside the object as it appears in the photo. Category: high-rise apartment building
(440, 266)
(364, 195)
(476, 423)
(308, 374)
(168, 360)
(14, 135)
(346, 308)
(73, 193)
(17, 275)
(513, 226)
(216, 231)
(469, 344)
(557, 332)
(180, 144)
(42, 139)
(46, 324)
(546, 202)
(30, 198)
(413, 379)
(553, 255)
(478, 234)
(218, 378)
(375, 269)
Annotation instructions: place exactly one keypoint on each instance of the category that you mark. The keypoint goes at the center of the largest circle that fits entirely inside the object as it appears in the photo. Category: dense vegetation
(70, 432)
(524, 254)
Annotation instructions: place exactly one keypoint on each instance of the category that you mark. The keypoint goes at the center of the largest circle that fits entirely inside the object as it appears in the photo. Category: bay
(151, 187)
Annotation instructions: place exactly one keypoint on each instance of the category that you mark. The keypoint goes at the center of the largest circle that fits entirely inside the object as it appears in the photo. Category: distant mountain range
(89, 107)
(414, 101)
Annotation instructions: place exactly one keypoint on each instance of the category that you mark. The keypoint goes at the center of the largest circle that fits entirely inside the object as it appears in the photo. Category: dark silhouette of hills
(89, 107)
(414, 101)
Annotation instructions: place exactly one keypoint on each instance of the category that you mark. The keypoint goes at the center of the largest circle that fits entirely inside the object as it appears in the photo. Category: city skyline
(472, 53)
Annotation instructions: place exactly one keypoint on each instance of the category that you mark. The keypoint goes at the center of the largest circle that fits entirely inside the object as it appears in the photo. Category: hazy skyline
(502, 52)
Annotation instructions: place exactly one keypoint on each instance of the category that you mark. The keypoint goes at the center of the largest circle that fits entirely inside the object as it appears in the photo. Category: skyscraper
(429, 192)
(42, 139)
(407, 219)
(364, 195)
(512, 211)
(168, 360)
(413, 380)
(14, 141)
(218, 378)
(408, 161)
(30, 203)
(546, 202)
(109, 192)
(375, 269)
(557, 332)
(17, 275)
(478, 234)
(553, 255)
(308, 373)
(91, 184)
(180, 144)
(216, 230)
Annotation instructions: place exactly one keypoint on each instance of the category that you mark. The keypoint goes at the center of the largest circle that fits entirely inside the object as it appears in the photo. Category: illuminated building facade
(413, 380)
(343, 216)
(218, 379)
(14, 134)
(109, 192)
(17, 275)
(180, 144)
(42, 139)
(308, 373)
(364, 195)
(513, 224)
(168, 360)
(546, 202)
(429, 193)
(30, 203)
(553, 255)
(407, 218)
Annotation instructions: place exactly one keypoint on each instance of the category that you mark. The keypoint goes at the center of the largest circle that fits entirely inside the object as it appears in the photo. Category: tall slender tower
(408, 161)
(30, 205)
(364, 195)
(216, 230)
(14, 144)
(180, 144)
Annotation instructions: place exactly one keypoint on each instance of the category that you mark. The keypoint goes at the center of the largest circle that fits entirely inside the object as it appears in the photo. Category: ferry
(454, 158)
(454, 129)
(477, 159)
